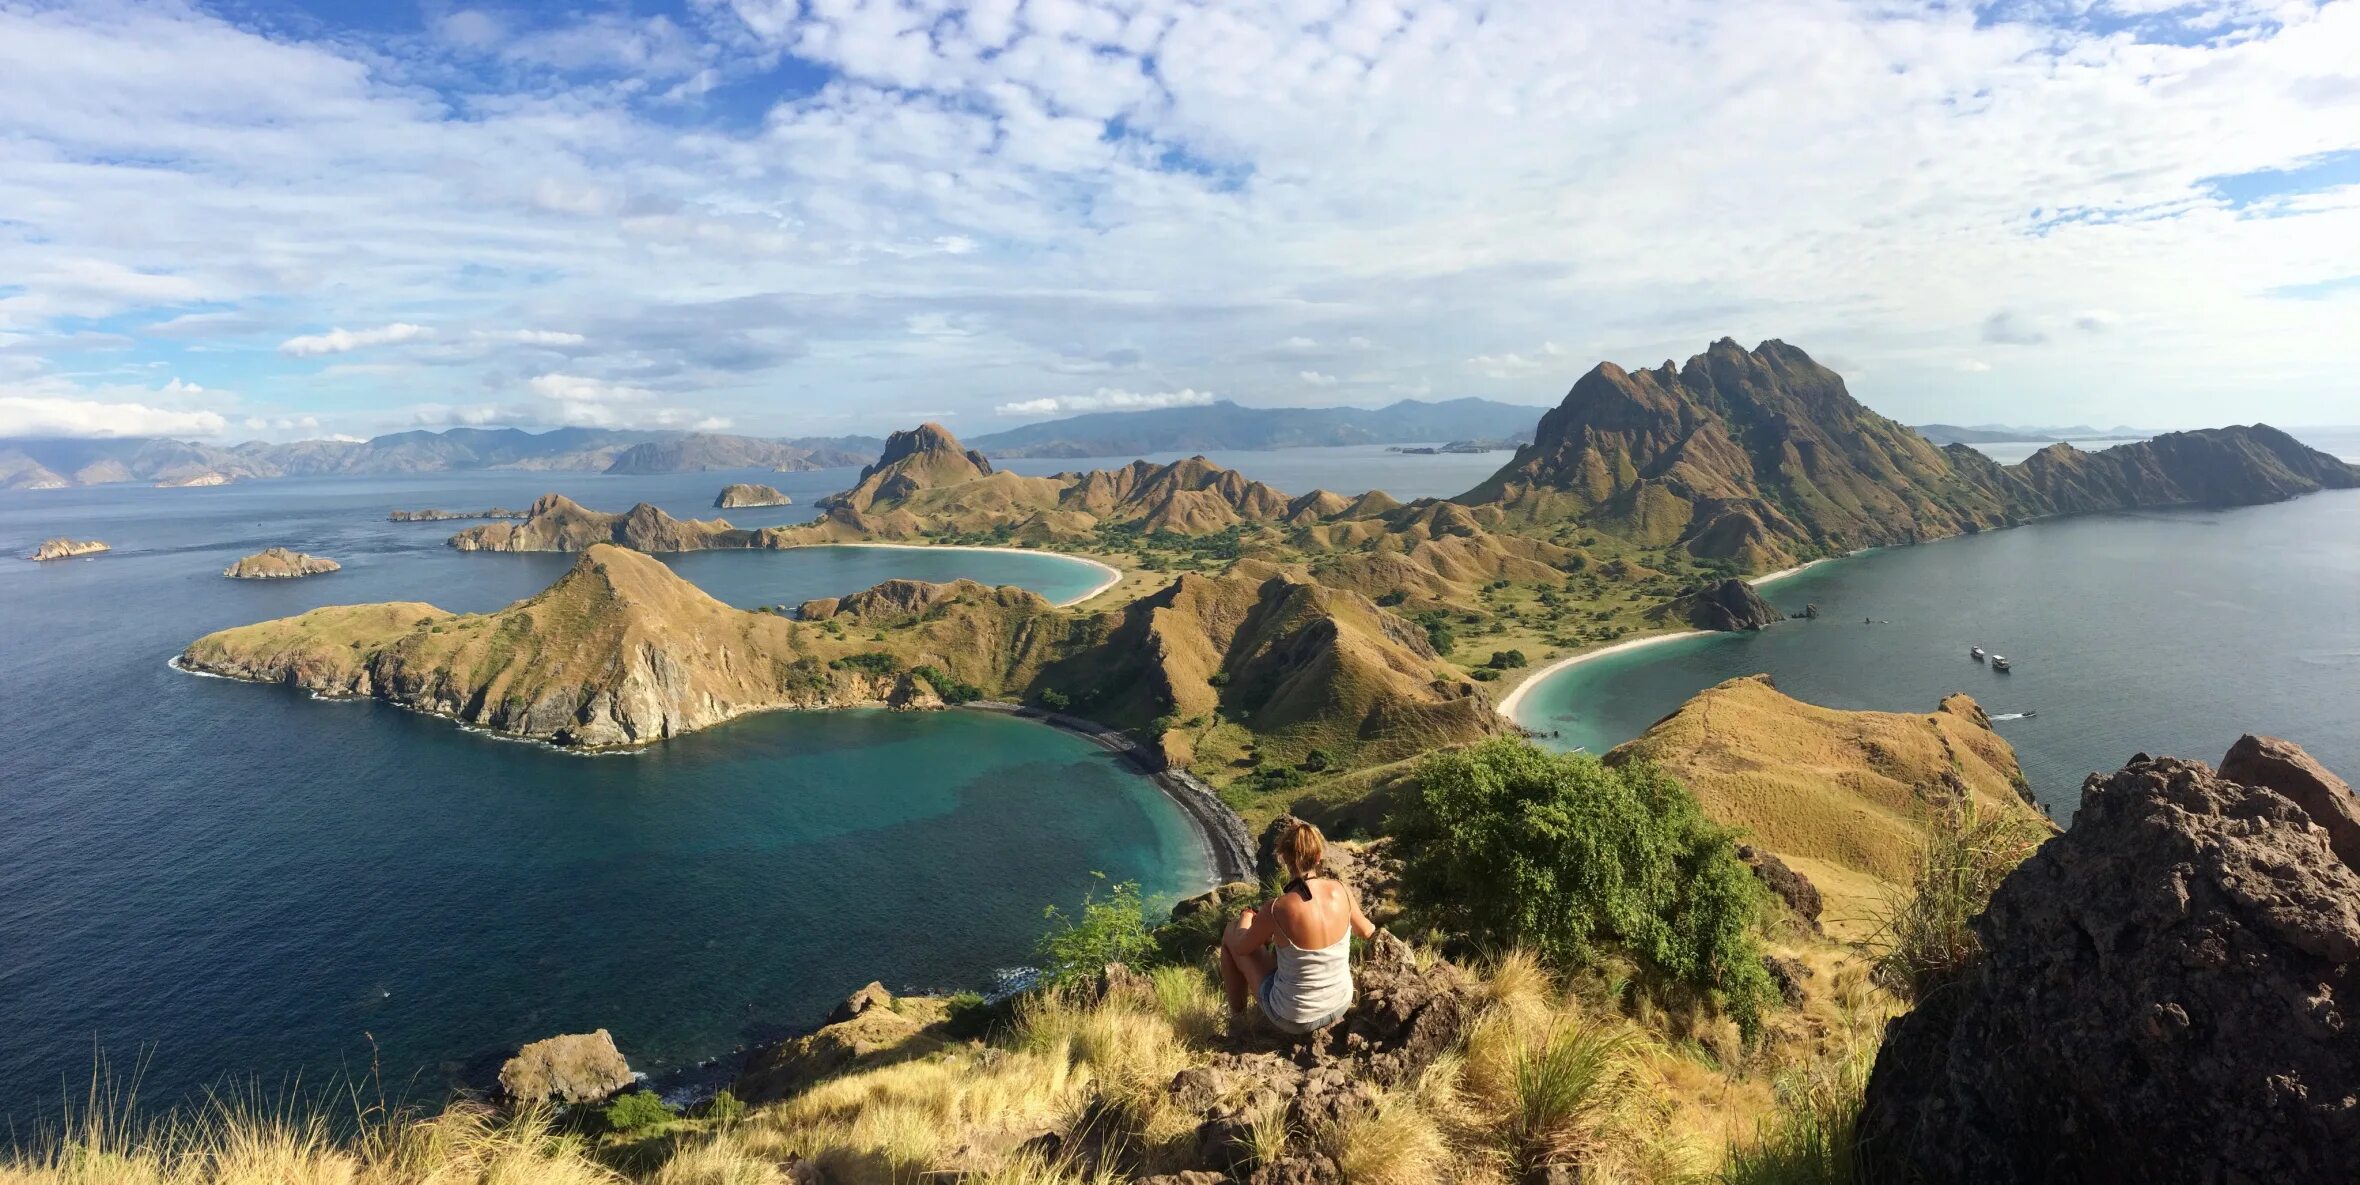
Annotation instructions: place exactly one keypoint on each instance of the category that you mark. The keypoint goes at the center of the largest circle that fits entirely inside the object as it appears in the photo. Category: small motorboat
(1999, 662)
(1976, 654)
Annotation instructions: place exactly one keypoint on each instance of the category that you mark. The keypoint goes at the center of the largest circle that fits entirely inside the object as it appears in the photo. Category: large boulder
(573, 1068)
(869, 1028)
(2162, 998)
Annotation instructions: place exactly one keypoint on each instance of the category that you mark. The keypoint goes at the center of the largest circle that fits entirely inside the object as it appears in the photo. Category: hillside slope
(1844, 797)
(1763, 458)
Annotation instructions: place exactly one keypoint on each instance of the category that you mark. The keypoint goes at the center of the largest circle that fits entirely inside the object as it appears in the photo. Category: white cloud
(1511, 366)
(1105, 399)
(1971, 366)
(529, 337)
(344, 341)
(1316, 379)
(33, 415)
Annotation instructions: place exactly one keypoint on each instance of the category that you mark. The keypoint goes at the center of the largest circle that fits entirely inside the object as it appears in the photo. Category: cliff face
(2163, 996)
(925, 457)
(737, 494)
(65, 549)
(278, 563)
(1844, 797)
(1762, 457)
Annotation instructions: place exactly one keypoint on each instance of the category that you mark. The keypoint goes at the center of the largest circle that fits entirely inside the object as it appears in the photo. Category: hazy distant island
(209, 477)
(745, 494)
(65, 549)
(450, 516)
(279, 563)
(1456, 447)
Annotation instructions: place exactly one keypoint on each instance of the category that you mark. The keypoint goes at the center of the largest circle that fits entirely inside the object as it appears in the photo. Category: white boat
(1976, 654)
(1999, 662)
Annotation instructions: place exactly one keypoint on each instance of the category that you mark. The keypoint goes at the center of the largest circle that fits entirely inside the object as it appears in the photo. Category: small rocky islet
(450, 516)
(62, 548)
(279, 563)
(743, 495)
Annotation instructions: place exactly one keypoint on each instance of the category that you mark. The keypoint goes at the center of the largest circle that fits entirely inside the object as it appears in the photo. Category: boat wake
(2013, 716)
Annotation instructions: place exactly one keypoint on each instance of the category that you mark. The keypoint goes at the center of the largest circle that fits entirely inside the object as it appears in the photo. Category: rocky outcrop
(869, 1027)
(575, 1068)
(278, 563)
(2165, 997)
(449, 516)
(746, 494)
(1729, 606)
(66, 549)
(2239, 465)
(2284, 767)
(924, 457)
(1784, 883)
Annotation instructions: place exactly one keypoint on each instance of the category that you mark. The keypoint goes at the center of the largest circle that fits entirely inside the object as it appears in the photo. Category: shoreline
(1507, 706)
(1114, 575)
(1229, 849)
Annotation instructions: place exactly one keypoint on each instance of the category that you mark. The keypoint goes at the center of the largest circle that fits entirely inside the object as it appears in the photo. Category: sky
(253, 219)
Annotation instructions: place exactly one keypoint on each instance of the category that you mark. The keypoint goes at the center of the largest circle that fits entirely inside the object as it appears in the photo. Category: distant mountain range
(27, 463)
(1226, 425)
(1998, 433)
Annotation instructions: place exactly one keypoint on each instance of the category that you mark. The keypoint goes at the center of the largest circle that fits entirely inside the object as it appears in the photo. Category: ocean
(216, 878)
(2167, 632)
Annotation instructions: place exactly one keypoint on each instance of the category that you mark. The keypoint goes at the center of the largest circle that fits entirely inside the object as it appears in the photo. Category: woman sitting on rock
(1295, 953)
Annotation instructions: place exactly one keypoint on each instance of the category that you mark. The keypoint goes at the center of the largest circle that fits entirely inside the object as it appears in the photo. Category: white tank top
(1312, 984)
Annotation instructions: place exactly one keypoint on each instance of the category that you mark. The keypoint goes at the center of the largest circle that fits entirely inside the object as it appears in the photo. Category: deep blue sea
(2169, 632)
(230, 878)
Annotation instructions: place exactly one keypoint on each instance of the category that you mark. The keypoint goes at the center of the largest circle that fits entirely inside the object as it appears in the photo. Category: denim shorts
(1271, 1017)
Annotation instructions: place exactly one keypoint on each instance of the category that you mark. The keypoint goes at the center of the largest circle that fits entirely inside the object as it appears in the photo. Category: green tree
(1513, 846)
(1106, 930)
(637, 1111)
(1053, 699)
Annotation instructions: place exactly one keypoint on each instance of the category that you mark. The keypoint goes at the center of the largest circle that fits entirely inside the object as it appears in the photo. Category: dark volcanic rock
(1729, 606)
(1785, 883)
(2284, 767)
(2162, 999)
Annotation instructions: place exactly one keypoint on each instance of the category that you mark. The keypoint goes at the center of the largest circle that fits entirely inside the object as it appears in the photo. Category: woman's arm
(1361, 926)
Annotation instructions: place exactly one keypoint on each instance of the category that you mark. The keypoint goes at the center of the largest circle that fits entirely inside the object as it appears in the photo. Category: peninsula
(745, 494)
(279, 563)
(66, 549)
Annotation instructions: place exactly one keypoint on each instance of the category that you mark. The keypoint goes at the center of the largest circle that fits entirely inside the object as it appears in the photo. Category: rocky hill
(623, 651)
(1763, 458)
(558, 523)
(278, 563)
(66, 549)
(2162, 995)
(925, 457)
(745, 494)
(1845, 798)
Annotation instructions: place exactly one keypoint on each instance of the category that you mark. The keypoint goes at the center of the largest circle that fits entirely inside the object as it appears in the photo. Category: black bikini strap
(1303, 885)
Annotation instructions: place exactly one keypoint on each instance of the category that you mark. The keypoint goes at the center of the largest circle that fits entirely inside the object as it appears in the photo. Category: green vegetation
(637, 1112)
(1923, 930)
(724, 1109)
(952, 691)
(1053, 699)
(1809, 1138)
(1512, 846)
(1112, 929)
(1506, 660)
(874, 662)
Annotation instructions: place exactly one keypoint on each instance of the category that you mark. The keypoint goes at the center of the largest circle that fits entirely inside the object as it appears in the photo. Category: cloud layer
(806, 218)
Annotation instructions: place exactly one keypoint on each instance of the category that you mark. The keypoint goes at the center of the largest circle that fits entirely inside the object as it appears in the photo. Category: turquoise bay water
(240, 879)
(2168, 632)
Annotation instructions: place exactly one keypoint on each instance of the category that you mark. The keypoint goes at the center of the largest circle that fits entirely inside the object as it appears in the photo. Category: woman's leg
(1245, 957)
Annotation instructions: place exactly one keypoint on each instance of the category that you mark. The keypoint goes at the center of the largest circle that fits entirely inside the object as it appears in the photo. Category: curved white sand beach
(1507, 707)
(1113, 574)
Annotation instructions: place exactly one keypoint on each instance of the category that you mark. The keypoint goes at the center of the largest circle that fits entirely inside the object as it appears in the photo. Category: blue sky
(789, 217)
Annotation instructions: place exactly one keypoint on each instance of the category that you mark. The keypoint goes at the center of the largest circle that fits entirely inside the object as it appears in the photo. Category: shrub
(875, 662)
(1053, 699)
(725, 1109)
(1506, 660)
(1509, 845)
(1928, 941)
(1271, 779)
(639, 1111)
(1483, 674)
(1109, 930)
(1319, 760)
(1219, 679)
(951, 690)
